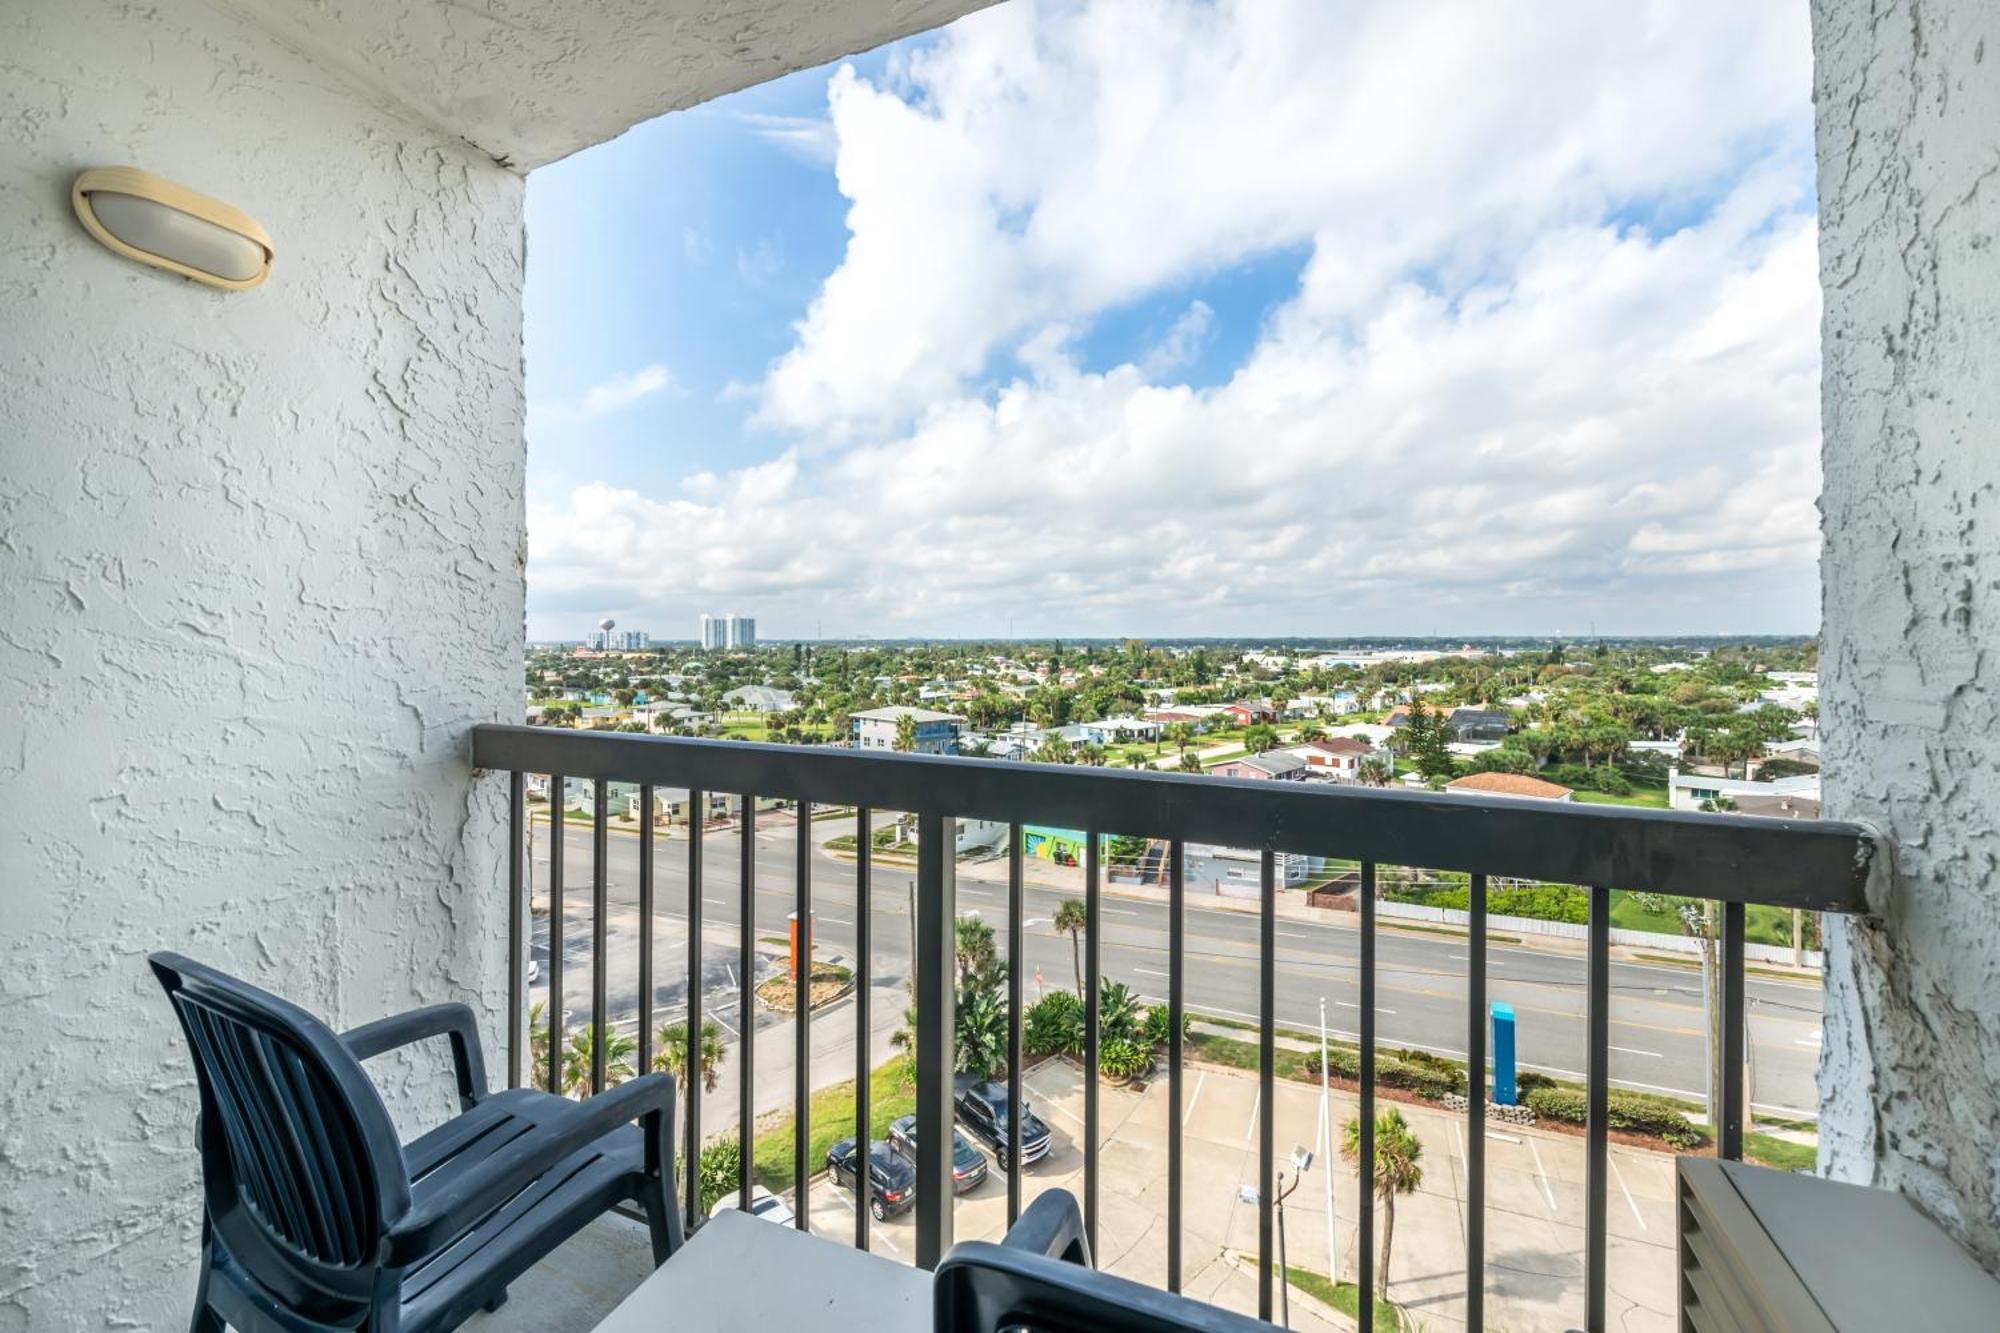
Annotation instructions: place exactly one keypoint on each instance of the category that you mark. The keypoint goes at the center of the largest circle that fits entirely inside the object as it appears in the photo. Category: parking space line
(1541, 1174)
(1612, 1158)
(1199, 1080)
(1255, 1102)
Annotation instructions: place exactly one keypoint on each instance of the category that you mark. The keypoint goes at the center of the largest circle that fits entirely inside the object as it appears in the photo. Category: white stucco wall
(260, 572)
(1908, 98)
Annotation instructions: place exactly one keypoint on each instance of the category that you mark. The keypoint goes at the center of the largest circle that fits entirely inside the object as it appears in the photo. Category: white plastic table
(741, 1272)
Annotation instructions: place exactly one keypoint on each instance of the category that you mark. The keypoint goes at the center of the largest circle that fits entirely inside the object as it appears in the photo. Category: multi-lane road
(1657, 1023)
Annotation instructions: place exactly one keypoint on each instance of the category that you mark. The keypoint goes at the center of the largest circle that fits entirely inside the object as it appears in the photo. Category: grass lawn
(830, 1116)
(1762, 924)
(1651, 800)
(1344, 1297)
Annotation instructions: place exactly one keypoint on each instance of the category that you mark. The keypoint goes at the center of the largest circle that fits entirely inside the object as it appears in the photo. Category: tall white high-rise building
(728, 632)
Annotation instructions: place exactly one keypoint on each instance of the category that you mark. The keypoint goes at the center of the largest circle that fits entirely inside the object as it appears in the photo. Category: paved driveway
(1534, 1199)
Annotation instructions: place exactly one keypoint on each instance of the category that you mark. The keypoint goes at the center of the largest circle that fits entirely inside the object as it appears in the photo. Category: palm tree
(974, 948)
(1190, 763)
(670, 1048)
(618, 1051)
(1071, 919)
(906, 733)
(538, 1045)
(1374, 771)
(981, 1038)
(1397, 1171)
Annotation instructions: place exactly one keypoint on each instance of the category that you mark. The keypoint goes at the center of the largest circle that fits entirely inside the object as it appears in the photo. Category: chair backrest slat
(302, 1166)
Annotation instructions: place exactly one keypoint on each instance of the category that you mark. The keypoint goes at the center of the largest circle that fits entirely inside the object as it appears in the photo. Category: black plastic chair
(317, 1218)
(1040, 1279)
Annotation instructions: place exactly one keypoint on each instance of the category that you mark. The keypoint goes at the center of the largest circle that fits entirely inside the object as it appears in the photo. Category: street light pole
(1326, 1148)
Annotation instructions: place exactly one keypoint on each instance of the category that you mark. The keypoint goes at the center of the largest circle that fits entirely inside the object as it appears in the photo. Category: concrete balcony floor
(576, 1287)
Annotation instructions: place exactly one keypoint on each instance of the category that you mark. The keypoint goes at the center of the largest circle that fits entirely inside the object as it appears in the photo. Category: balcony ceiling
(530, 81)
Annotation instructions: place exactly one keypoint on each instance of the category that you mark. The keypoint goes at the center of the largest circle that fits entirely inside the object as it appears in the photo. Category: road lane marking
(1117, 911)
(1033, 921)
(1147, 971)
(1541, 1174)
(1629, 1203)
(1812, 1039)
(1631, 1051)
(835, 921)
(717, 901)
(1298, 935)
(1199, 1080)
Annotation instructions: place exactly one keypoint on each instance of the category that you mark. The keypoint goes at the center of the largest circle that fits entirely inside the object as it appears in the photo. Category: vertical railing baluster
(1597, 1138)
(1093, 911)
(746, 1006)
(697, 1076)
(1364, 1235)
(1729, 1136)
(937, 916)
(600, 911)
(802, 971)
(1475, 1105)
(517, 928)
(646, 905)
(864, 908)
(1267, 1072)
(1017, 950)
(557, 842)
(1176, 1016)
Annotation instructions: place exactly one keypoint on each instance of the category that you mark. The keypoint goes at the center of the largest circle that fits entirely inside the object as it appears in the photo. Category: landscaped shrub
(721, 1171)
(1158, 1026)
(1427, 1075)
(1420, 1079)
(1634, 1112)
(1528, 1080)
(1123, 1059)
(1053, 1025)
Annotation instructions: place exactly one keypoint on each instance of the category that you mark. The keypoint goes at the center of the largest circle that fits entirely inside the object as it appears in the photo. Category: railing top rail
(1812, 864)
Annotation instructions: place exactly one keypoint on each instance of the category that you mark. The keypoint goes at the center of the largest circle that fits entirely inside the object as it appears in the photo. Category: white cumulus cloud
(1552, 359)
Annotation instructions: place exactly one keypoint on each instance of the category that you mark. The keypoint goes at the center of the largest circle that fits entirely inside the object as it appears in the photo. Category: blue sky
(1173, 317)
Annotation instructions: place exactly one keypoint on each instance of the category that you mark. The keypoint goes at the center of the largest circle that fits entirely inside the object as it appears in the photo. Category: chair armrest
(985, 1288)
(437, 1020)
(459, 1204)
(1053, 1226)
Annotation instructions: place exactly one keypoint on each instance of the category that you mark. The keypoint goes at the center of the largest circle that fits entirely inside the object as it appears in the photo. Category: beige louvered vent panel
(1772, 1252)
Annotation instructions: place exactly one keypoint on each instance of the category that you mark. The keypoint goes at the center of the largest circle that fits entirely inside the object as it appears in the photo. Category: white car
(763, 1204)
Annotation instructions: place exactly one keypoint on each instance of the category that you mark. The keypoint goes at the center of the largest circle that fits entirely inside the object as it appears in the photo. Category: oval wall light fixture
(156, 221)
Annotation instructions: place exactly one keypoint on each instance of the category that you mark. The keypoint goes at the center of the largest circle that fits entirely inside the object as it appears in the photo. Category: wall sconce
(158, 222)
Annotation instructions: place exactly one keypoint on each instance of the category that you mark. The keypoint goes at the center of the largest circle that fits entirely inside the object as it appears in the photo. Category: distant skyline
(1189, 319)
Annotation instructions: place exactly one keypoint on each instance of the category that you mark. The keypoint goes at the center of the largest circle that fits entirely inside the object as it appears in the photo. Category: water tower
(604, 628)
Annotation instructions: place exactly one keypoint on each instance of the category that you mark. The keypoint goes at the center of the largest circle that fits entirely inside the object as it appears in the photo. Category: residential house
(1509, 784)
(1468, 723)
(1248, 712)
(1335, 759)
(876, 729)
(1277, 764)
(1691, 791)
(761, 699)
(1123, 730)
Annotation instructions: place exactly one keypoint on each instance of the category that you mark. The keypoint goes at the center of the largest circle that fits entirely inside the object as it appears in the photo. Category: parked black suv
(982, 1108)
(968, 1168)
(892, 1182)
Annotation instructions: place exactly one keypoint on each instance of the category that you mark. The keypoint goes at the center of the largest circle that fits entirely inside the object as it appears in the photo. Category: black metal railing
(1817, 866)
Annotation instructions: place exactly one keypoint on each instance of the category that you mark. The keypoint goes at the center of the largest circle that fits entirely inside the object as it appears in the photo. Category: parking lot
(1534, 1201)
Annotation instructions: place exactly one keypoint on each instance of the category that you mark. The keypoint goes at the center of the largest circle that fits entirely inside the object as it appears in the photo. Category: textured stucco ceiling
(530, 81)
